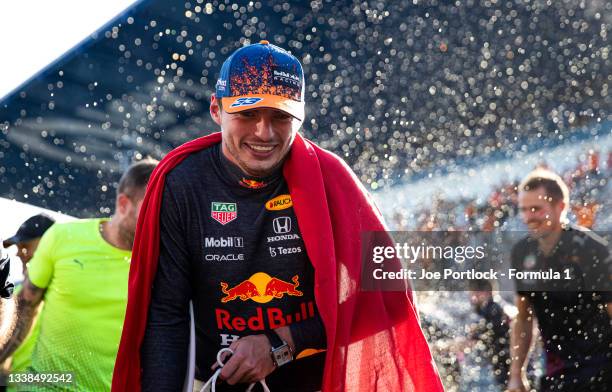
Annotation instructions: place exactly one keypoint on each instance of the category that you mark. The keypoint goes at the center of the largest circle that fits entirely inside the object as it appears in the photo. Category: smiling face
(540, 212)
(256, 140)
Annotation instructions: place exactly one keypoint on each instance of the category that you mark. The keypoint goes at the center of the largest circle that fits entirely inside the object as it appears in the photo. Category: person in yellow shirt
(80, 270)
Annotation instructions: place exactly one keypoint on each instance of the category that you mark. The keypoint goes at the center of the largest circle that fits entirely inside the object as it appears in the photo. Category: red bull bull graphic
(243, 290)
(277, 288)
(252, 184)
(261, 288)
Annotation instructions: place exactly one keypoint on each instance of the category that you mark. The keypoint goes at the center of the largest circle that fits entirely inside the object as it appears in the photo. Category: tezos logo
(281, 250)
(223, 213)
(246, 101)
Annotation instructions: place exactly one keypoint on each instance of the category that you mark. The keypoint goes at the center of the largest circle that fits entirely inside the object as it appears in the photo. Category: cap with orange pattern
(262, 75)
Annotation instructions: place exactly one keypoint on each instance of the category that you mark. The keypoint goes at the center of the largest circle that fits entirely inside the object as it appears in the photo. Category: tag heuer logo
(223, 213)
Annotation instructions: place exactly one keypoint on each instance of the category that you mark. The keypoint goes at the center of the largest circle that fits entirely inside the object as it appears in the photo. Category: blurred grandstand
(495, 207)
(401, 90)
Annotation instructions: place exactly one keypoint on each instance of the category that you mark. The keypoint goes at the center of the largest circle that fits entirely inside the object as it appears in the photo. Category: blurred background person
(26, 239)
(80, 270)
(492, 329)
(575, 325)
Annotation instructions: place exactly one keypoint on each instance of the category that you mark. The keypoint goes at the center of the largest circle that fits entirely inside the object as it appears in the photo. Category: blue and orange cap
(262, 75)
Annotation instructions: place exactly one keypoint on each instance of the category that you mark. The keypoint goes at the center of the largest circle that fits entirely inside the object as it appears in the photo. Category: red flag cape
(374, 341)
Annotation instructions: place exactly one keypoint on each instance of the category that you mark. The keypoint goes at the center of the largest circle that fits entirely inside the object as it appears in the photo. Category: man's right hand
(518, 384)
(250, 362)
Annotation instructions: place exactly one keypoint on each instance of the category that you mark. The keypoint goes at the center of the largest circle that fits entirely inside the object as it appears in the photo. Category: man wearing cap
(260, 230)
(26, 239)
(80, 270)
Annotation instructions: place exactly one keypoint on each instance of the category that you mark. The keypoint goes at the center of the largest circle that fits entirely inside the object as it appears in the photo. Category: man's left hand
(251, 361)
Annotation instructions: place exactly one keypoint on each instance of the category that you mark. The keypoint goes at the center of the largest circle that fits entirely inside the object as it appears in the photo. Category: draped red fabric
(373, 337)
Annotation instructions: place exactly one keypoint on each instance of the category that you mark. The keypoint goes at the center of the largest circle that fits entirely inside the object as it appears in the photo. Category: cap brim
(254, 101)
(11, 241)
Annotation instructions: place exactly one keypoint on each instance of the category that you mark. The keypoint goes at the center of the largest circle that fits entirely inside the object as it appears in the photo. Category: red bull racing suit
(232, 245)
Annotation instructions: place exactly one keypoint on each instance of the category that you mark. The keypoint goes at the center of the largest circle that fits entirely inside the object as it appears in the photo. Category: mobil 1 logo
(223, 242)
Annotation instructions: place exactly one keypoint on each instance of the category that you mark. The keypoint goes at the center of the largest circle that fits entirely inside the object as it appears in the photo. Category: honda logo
(282, 225)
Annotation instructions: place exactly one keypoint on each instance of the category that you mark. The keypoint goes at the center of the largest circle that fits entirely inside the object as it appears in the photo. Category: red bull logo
(252, 184)
(244, 291)
(269, 318)
(261, 288)
(278, 288)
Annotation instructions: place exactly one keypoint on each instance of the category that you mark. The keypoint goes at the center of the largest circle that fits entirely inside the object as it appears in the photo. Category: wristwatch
(280, 351)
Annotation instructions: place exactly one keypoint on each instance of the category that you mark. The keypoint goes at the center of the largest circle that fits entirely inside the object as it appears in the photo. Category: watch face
(282, 355)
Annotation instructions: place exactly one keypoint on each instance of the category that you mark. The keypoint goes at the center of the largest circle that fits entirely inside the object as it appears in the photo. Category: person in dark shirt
(492, 329)
(230, 242)
(249, 248)
(573, 314)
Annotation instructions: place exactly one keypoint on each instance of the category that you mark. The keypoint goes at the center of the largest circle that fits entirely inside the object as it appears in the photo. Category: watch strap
(280, 351)
(274, 339)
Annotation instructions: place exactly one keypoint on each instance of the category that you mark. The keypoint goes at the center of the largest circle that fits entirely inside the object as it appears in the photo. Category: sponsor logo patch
(221, 84)
(228, 257)
(281, 202)
(287, 77)
(227, 339)
(223, 242)
(245, 101)
(264, 318)
(223, 213)
(284, 237)
(252, 184)
(281, 250)
(79, 263)
(261, 288)
(281, 225)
